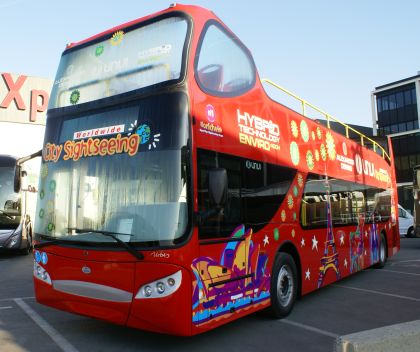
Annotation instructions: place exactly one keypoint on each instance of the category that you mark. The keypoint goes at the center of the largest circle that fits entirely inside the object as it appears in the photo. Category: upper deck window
(124, 61)
(223, 66)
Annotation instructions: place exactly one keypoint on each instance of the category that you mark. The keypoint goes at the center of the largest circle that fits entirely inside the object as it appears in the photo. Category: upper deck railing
(363, 138)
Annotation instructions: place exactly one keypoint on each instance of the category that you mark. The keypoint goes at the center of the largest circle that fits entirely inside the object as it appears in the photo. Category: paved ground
(367, 300)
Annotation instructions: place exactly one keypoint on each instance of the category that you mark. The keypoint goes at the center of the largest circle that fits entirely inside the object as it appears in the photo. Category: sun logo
(117, 38)
(145, 133)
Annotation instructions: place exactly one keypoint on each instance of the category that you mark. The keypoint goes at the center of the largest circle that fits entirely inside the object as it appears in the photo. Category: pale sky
(332, 53)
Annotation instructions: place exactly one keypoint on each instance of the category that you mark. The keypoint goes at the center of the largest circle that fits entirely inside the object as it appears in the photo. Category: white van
(406, 222)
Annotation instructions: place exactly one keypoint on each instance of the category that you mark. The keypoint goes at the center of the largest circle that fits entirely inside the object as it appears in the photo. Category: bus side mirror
(218, 185)
(17, 179)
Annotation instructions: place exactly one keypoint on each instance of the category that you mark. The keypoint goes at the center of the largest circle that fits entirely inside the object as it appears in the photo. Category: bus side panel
(170, 314)
(350, 249)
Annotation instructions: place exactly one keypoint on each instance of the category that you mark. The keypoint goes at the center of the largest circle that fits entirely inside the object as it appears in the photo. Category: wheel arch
(289, 248)
(383, 232)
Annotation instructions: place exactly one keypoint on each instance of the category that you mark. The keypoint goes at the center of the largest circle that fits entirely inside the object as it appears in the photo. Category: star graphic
(266, 241)
(345, 262)
(314, 243)
(307, 275)
(342, 239)
(302, 243)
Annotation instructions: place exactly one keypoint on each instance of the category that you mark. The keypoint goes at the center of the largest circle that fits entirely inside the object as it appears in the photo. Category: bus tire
(410, 232)
(284, 284)
(382, 252)
(29, 246)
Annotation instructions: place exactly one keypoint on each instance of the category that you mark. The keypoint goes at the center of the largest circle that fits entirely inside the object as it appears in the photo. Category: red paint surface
(173, 314)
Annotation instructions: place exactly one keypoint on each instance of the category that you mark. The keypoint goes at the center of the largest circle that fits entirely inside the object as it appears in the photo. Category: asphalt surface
(367, 300)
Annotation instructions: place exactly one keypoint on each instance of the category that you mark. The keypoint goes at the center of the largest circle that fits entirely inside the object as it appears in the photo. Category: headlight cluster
(14, 240)
(39, 272)
(161, 288)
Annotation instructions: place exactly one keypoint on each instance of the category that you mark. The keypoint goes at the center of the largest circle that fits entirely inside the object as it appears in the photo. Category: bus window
(255, 192)
(378, 202)
(223, 66)
(223, 224)
(347, 201)
(130, 60)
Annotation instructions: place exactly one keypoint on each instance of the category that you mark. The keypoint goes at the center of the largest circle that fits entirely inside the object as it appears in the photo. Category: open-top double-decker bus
(176, 196)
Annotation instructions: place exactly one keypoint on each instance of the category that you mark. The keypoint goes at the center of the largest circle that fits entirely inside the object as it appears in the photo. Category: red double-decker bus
(176, 196)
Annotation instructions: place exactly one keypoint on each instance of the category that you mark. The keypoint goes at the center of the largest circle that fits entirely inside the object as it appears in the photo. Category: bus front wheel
(284, 285)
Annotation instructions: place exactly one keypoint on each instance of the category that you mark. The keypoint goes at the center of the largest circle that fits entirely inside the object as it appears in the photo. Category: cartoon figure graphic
(357, 246)
(330, 257)
(239, 278)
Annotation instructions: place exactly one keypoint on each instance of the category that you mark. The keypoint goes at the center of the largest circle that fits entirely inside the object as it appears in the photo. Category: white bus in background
(17, 204)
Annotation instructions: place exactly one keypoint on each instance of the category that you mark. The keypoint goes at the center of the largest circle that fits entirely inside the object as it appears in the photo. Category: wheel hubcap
(382, 253)
(285, 285)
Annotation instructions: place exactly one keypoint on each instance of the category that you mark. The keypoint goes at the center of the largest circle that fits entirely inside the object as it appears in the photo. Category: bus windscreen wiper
(6, 215)
(48, 242)
(113, 235)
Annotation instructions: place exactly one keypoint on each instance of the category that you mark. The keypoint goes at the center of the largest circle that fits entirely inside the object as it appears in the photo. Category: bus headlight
(148, 291)
(41, 274)
(160, 288)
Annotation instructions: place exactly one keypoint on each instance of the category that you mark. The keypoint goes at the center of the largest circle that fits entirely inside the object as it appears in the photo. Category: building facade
(396, 113)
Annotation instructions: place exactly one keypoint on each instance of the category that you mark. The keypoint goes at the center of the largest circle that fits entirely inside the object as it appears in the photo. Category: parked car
(406, 222)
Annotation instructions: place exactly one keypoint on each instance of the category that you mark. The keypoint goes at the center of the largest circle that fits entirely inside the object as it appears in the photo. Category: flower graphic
(74, 97)
(304, 131)
(318, 133)
(300, 180)
(323, 152)
(99, 50)
(283, 216)
(117, 38)
(310, 160)
(294, 153)
(316, 155)
(276, 234)
(329, 140)
(295, 191)
(293, 233)
(44, 170)
(313, 135)
(52, 185)
(290, 201)
(295, 130)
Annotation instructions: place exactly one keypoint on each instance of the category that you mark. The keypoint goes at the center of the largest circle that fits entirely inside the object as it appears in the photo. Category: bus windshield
(10, 207)
(124, 61)
(117, 171)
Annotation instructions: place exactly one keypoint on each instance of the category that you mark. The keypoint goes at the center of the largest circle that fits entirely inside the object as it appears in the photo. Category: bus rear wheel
(284, 285)
(382, 252)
